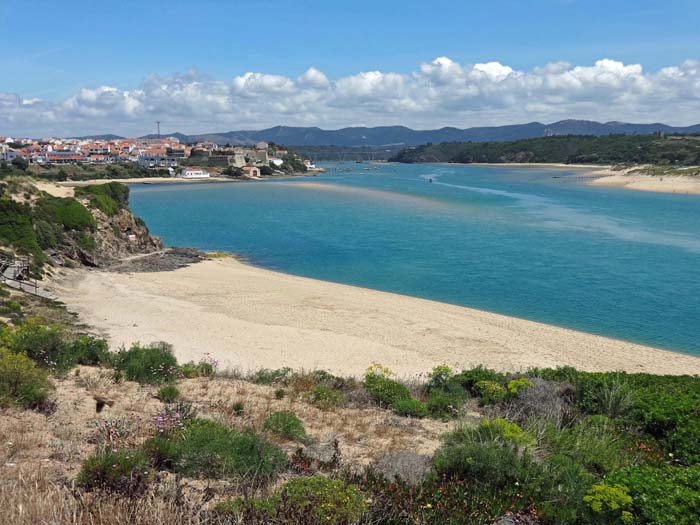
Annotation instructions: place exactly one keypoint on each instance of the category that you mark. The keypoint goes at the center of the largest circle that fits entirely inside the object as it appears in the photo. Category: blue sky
(54, 49)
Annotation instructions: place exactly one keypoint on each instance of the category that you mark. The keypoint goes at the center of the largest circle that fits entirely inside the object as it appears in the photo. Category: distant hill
(107, 136)
(401, 136)
(683, 150)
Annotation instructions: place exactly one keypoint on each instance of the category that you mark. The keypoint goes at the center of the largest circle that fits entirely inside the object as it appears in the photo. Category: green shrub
(490, 453)
(661, 495)
(211, 450)
(154, 363)
(383, 390)
(493, 429)
(163, 452)
(285, 424)
(444, 405)
(609, 394)
(265, 376)
(42, 343)
(438, 378)
(301, 500)
(89, 350)
(238, 408)
(469, 378)
(109, 198)
(610, 503)
(410, 408)
(16, 229)
(594, 443)
(168, 393)
(516, 385)
(437, 500)
(48, 235)
(490, 393)
(22, 383)
(330, 500)
(280, 393)
(204, 368)
(323, 397)
(668, 411)
(124, 471)
(559, 493)
(65, 211)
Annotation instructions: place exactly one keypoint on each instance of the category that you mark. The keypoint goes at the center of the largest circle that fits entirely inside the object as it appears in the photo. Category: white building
(188, 173)
(156, 161)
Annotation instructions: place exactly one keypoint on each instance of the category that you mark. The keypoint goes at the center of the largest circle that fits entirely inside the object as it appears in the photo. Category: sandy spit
(640, 182)
(249, 317)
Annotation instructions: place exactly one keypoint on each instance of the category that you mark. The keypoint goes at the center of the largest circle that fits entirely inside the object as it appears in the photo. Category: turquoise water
(532, 243)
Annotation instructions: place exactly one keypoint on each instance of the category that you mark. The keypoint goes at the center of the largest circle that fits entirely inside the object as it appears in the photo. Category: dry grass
(41, 454)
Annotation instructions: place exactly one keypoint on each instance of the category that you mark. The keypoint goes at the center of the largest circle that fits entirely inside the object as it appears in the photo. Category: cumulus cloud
(438, 93)
(314, 78)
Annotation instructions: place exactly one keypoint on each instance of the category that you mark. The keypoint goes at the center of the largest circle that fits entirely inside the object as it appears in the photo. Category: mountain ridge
(402, 136)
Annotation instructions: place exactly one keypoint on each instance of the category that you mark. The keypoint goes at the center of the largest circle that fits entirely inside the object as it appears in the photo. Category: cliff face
(93, 227)
(121, 236)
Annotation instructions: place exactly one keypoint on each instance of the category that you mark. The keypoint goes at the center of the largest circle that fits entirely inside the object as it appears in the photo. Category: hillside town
(164, 155)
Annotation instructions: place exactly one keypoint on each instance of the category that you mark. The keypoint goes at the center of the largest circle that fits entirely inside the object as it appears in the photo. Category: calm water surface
(527, 242)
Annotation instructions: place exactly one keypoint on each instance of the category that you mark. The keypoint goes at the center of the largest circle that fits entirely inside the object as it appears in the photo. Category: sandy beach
(627, 178)
(249, 317)
(640, 182)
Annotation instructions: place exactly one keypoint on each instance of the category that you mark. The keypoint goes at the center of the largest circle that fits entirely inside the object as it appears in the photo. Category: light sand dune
(248, 317)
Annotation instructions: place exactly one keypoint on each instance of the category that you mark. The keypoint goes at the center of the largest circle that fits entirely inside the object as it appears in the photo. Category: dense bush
(382, 389)
(89, 350)
(669, 411)
(660, 495)
(491, 453)
(516, 386)
(203, 368)
(439, 378)
(439, 501)
(609, 504)
(108, 198)
(125, 471)
(266, 376)
(490, 392)
(168, 393)
(308, 500)
(154, 363)
(65, 211)
(42, 343)
(22, 383)
(410, 408)
(323, 397)
(469, 378)
(163, 451)
(285, 424)
(594, 443)
(444, 404)
(16, 229)
(208, 449)
(331, 500)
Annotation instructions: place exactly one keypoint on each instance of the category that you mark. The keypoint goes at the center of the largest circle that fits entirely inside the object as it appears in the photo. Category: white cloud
(438, 93)
(314, 78)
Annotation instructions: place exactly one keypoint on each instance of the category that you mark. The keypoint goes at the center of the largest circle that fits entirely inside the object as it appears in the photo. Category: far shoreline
(606, 176)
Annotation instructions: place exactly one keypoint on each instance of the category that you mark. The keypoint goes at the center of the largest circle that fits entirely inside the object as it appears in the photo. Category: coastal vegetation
(67, 230)
(190, 443)
(672, 150)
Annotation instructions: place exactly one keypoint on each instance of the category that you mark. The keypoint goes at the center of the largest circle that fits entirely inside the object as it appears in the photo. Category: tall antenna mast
(158, 124)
